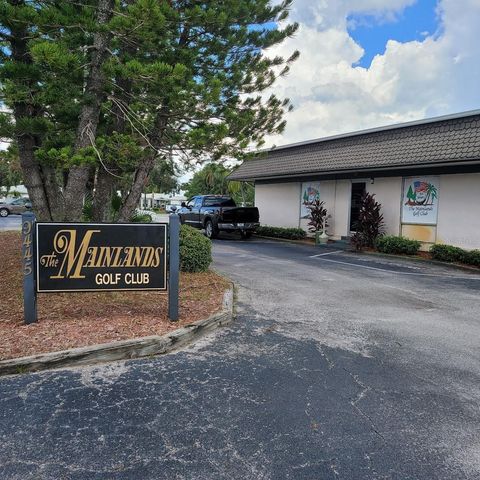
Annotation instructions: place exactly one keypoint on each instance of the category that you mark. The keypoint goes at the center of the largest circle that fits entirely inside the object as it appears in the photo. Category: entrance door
(358, 190)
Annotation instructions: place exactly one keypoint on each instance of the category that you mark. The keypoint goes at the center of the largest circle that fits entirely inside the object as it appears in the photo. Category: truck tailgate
(240, 215)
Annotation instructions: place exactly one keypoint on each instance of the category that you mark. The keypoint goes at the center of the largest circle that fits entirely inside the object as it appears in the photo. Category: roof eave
(354, 171)
(384, 128)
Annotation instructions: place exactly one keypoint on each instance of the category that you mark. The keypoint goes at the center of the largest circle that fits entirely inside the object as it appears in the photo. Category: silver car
(15, 206)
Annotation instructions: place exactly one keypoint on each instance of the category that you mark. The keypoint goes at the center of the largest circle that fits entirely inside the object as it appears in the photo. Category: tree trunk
(140, 180)
(102, 200)
(105, 184)
(90, 114)
(145, 167)
(26, 142)
(31, 173)
(53, 193)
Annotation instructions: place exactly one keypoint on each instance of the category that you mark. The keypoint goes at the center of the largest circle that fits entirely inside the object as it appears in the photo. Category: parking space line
(327, 253)
(460, 277)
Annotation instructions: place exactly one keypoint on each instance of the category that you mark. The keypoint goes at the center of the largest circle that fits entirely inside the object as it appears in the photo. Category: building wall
(458, 210)
(341, 211)
(279, 204)
(388, 191)
(458, 220)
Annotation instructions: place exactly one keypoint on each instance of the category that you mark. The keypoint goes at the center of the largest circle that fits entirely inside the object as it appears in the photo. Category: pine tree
(98, 92)
(411, 195)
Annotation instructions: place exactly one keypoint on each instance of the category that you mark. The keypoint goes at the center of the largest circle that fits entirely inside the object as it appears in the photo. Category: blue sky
(427, 63)
(373, 32)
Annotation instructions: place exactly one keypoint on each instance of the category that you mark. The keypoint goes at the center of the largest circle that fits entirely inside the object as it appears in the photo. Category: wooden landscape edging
(123, 349)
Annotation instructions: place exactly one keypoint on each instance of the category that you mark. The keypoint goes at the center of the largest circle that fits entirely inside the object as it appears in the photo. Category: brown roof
(442, 140)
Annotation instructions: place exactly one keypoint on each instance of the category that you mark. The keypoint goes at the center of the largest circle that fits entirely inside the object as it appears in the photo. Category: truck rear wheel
(210, 230)
(245, 235)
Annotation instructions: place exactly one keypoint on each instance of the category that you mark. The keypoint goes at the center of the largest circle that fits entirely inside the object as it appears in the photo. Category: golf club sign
(86, 257)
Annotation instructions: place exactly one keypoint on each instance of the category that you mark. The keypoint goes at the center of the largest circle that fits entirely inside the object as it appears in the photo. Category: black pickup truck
(216, 213)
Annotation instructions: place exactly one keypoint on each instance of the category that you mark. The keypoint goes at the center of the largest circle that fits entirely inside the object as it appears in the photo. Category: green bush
(449, 253)
(141, 218)
(473, 258)
(195, 250)
(397, 245)
(280, 232)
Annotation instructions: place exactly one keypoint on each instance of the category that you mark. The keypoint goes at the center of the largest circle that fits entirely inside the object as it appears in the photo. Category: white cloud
(439, 74)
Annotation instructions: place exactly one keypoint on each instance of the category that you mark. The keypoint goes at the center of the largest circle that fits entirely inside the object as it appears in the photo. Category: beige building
(426, 175)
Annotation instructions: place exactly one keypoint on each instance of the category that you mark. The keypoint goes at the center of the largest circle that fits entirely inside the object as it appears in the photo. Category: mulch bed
(81, 319)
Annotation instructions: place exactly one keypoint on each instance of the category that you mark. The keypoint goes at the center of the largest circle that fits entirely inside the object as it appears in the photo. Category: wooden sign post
(28, 259)
(174, 267)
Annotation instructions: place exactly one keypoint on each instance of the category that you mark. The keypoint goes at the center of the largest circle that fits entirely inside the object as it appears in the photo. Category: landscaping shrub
(449, 253)
(370, 223)
(141, 218)
(473, 258)
(279, 232)
(397, 245)
(195, 250)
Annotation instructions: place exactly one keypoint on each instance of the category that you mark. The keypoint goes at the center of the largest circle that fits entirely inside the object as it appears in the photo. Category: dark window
(219, 202)
(358, 191)
(198, 202)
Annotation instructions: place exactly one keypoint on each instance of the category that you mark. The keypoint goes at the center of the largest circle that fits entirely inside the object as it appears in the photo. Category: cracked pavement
(336, 367)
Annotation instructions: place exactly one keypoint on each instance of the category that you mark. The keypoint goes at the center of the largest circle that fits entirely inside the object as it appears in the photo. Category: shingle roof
(441, 140)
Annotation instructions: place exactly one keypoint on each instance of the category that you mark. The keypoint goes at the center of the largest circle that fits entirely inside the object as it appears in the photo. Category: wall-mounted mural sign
(310, 193)
(420, 200)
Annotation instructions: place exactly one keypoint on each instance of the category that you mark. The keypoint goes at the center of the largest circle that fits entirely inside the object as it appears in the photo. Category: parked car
(216, 213)
(15, 206)
(171, 208)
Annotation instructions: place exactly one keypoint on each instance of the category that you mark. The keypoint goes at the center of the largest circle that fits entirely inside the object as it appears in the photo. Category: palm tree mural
(432, 194)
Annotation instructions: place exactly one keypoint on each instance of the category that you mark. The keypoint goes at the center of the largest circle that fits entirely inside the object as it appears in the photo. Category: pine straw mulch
(69, 320)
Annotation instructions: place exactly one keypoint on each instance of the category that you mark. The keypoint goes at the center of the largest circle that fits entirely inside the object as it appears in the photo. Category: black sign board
(88, 256)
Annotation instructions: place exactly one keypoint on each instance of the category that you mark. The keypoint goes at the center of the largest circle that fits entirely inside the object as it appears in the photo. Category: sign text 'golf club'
(86, 257)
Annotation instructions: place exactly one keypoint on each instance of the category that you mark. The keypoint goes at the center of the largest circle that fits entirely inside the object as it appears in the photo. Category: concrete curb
(124, 349)
(285, 240)
(451, 265)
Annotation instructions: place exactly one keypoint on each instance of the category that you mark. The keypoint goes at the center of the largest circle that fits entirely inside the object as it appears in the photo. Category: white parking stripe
(460, 277)
(323, 254)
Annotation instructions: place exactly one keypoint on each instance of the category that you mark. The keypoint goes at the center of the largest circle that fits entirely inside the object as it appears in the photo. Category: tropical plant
(98, 92)
(370, 224)
(317, 216)
(212, 180)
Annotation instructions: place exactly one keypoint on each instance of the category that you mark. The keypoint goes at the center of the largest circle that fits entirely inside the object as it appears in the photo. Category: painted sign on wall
(85, 257)
(310, 193)
(420, 200)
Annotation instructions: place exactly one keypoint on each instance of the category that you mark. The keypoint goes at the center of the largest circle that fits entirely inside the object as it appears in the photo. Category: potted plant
(318, 221)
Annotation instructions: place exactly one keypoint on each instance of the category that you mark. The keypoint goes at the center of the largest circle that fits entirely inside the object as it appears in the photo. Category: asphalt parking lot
(338, 366)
